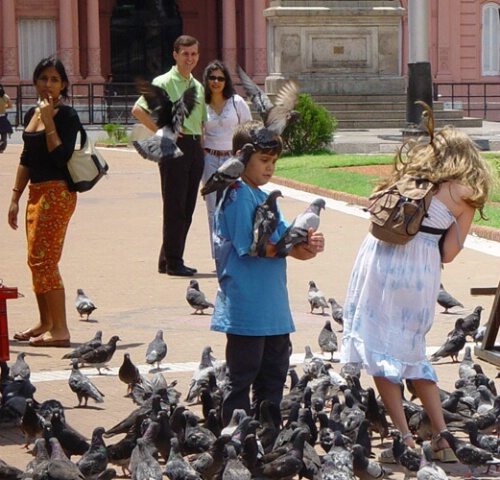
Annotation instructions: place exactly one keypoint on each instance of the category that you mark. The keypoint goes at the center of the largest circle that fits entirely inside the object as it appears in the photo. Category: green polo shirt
(175, 85)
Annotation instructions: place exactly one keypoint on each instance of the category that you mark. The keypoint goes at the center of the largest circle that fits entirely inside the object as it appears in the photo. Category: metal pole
(419, 67)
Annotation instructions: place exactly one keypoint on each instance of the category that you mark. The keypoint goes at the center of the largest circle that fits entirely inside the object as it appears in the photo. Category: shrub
(313, 132)
(116, 131)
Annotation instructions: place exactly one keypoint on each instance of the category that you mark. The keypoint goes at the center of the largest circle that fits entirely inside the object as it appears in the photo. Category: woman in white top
(5, 126)
(225, 109)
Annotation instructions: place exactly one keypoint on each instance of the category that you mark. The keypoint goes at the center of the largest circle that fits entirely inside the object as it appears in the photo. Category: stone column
(9, 34)
(66, 45)
(93, 42)
(229, 39)
(260, 42)
(249, 38)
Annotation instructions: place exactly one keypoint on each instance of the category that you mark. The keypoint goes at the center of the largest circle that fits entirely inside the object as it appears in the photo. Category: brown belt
(218, 153)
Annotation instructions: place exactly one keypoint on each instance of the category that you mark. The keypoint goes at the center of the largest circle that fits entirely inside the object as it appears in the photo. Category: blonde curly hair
(449, 155)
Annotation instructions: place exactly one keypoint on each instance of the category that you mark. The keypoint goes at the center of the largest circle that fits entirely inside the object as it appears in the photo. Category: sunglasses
(214, 77)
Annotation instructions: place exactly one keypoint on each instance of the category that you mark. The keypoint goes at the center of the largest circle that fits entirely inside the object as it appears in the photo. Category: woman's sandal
(26, 335)
(387, 455)
(444, 455)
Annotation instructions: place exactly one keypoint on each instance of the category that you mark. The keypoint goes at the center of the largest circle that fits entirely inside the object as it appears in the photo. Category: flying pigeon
(297, 232)
(157, 350)
(82, 386)
(337, 312)
(277, 116)
(99, 357)
(229, 171)
(265, 222)
(162, 145)
(83, 304)
(327, 340)
(316, 298)
(196, 298)
(446, 300)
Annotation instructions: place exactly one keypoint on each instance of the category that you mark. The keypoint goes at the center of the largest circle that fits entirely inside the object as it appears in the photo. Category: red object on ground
(5, 293)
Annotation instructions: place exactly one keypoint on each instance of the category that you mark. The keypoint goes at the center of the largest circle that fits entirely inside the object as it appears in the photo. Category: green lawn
(322, 170)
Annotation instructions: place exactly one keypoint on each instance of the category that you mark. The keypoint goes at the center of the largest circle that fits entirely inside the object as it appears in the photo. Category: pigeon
(59, 466)
(71, 441)
(405, 456)
(197, 439)
(337, 312)
(83, 304)
(453, 344)
(446, 300)
(265, 222)
(38, 464)
(143, 465)
(196, 298)
(157, 350)
(31, 423)
(95, 460)
(99, 357)
(9, 472)
(277, 116)
(472, 321)
(467, 454)
(229, 171)
(20, 370)
(128, 373)
(298, 231)
(85, 346)
(428, 469)
(82, 386)
(201, 376)
(234, 469)
(316, 298)
(177, 468)
(327, 340)
(162, 145)
(365, 468)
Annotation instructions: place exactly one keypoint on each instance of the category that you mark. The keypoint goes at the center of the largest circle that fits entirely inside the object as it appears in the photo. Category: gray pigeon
(59, 466)
(337, 312)
(265, 222)
(157, 350)
(365, 468)
(99, 357)
(85, 346)
(142, 464)
(428, 469)
(201, 376)
(177, 468)
(234, 469)
(82, 386)
(278, 115)
(95, 460)
(37, 465)
(298, 231)
(20, 370)
(196, 298)
(83, 304)
(316, 298)
(229, 171)
(327, 340)
(9, 472)
(472, 321)
(162, 145)
(446, 300)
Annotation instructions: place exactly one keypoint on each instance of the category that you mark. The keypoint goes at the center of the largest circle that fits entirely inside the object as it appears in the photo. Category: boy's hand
(315, 244)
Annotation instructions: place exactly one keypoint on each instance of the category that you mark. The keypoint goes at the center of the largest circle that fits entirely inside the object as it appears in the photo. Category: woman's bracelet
(17, 190)
(51, 133)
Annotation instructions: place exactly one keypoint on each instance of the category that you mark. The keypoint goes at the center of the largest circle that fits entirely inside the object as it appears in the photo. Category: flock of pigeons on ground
(330, 421)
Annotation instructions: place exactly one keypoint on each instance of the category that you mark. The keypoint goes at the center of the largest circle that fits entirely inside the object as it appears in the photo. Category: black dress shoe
(192, 269)
(162, 269)
(181, 271)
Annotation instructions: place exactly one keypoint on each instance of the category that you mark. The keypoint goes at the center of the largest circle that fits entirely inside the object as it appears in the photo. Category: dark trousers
(180, 182)
(258, 362)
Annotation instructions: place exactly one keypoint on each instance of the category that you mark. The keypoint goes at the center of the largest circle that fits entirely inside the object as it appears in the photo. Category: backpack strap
(433, 231)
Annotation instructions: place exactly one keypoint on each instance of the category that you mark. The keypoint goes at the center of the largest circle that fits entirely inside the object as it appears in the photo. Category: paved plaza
(111, 253)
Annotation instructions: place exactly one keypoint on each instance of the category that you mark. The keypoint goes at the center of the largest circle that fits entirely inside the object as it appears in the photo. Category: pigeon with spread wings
(170, 117)
(278, 115)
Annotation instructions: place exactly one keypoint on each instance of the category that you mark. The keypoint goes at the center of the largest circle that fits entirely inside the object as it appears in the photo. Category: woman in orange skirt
(50, 132)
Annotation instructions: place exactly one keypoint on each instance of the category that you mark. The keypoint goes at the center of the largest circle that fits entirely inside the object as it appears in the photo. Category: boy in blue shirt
(252, 305)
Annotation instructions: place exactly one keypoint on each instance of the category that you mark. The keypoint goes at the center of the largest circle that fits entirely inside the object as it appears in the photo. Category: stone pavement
(111, 252)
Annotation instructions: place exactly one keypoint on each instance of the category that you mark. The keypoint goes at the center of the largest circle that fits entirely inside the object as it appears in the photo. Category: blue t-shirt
(252, 298)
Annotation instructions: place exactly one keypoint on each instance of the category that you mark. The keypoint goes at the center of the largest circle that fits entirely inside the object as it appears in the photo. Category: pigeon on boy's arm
(265, 222)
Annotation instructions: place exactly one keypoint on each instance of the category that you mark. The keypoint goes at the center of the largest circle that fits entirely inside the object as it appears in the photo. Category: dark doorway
(142, 38)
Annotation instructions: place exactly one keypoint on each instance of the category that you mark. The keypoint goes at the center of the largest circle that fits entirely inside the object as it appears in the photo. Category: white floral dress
(390, 302)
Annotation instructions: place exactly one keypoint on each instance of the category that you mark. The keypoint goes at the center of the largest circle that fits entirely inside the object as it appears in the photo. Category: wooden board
(487, 351)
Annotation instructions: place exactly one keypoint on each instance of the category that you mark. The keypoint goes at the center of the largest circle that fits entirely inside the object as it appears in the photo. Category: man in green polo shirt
(180, 177)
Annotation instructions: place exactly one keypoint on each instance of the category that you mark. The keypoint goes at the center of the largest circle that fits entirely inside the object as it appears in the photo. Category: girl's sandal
(444, 455)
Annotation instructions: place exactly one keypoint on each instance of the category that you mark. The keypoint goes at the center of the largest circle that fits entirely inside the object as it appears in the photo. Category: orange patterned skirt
(49, 210)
